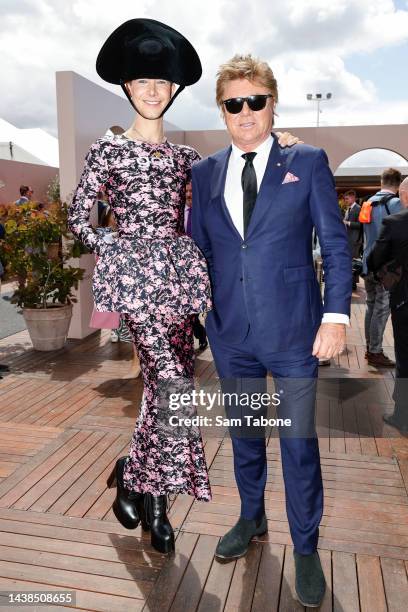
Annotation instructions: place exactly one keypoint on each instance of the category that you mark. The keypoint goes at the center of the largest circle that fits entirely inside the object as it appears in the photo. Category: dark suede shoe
(236, 541)
(380, 360)
(310, 583)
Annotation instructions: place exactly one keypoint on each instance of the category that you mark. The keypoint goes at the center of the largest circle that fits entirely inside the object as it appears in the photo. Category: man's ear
(127, 85)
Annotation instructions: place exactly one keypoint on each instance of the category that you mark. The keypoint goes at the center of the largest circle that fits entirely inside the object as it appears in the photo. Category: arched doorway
(362, 170)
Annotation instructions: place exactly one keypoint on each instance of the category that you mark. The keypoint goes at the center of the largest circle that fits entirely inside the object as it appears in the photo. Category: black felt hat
(149, 49)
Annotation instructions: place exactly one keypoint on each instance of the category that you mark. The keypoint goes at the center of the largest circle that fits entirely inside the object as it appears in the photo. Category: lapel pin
(278, 164)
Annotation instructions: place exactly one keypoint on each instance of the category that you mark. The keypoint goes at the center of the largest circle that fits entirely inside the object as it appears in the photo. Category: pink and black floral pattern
(157, 277)
(159, 462)
(152, 265)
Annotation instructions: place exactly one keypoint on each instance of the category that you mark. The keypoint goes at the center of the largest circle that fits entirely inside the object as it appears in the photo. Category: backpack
(367, 207)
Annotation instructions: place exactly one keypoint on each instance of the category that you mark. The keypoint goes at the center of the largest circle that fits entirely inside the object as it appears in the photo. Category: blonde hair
(245, 67)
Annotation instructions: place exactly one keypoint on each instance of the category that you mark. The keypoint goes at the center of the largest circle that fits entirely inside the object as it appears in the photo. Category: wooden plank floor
(66, 416)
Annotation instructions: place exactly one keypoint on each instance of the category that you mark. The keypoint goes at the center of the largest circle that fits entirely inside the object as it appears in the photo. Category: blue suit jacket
(268, 280)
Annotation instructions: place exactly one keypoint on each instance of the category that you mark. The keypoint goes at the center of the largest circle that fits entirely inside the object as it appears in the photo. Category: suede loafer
(310, 582)
(236, 541)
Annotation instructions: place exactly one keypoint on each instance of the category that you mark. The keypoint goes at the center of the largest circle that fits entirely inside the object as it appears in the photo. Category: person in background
(198, 329)
(353, 227)
(26, 194)
(392, 244)
(103, 206)
(317, 260)
(41, 207)
(384, 202)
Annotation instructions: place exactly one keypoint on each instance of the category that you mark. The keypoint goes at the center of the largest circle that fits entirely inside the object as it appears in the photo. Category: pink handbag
(104, 320)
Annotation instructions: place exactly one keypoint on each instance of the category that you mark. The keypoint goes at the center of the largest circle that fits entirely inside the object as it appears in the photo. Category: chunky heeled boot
(126, 504)
(162, 535)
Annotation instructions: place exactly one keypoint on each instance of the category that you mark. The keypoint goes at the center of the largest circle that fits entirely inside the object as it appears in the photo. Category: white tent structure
(31, 145)
(371, 162)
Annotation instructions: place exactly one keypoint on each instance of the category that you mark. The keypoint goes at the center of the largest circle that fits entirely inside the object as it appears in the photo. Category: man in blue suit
(254, 208)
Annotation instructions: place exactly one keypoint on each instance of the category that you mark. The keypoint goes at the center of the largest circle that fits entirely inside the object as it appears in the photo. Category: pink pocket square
(290, 178)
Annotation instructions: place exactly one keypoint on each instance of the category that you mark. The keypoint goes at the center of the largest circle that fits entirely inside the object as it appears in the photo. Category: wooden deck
(66, 416)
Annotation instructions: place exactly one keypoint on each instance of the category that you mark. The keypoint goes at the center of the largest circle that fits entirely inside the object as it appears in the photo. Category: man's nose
(245, 109)
(152, 87)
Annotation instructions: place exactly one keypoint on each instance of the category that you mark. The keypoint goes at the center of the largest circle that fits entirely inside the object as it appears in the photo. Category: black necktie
(249, 187)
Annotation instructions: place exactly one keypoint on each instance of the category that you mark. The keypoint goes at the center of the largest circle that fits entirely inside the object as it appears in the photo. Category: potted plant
(36, 255)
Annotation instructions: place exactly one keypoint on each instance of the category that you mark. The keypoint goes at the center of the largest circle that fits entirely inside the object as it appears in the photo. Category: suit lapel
(219, 176)
(219, 172)
(278, 163)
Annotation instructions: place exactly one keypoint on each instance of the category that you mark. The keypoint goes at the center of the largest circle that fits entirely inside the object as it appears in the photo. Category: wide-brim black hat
(150, 49)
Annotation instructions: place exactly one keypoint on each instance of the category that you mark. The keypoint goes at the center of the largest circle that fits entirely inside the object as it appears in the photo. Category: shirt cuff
(336, 317)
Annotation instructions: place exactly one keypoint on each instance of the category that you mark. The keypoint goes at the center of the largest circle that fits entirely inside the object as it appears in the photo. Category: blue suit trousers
(295, 377)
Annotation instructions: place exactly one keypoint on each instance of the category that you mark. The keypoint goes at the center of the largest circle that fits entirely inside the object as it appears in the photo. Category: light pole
(318, 98)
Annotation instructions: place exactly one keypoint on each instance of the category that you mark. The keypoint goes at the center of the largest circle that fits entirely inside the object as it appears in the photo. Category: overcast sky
(355, 49)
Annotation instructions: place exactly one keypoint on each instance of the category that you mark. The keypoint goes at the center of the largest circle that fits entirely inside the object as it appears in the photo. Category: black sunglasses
(255, 103)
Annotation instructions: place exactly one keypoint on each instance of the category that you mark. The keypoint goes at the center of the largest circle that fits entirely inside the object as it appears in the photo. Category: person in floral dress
(152, 273)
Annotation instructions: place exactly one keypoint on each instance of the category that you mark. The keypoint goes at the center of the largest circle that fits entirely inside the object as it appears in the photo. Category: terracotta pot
(48, 327)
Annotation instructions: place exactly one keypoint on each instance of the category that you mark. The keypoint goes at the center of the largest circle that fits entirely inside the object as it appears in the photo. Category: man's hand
(286, 139)
(330, 340)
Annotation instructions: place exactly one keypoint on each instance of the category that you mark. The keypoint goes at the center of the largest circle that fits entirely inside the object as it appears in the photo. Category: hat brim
(120, 59)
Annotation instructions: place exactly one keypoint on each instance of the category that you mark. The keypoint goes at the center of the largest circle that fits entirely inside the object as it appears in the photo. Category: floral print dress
(157, 278)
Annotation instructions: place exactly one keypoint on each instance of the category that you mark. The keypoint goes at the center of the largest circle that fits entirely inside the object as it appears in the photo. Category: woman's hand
(286, 139)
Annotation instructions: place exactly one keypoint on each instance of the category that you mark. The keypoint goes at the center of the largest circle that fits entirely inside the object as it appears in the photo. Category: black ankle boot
(126, 504)
(162, 535)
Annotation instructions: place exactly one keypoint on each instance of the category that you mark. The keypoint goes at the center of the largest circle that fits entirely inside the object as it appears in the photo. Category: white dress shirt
(234, 197)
